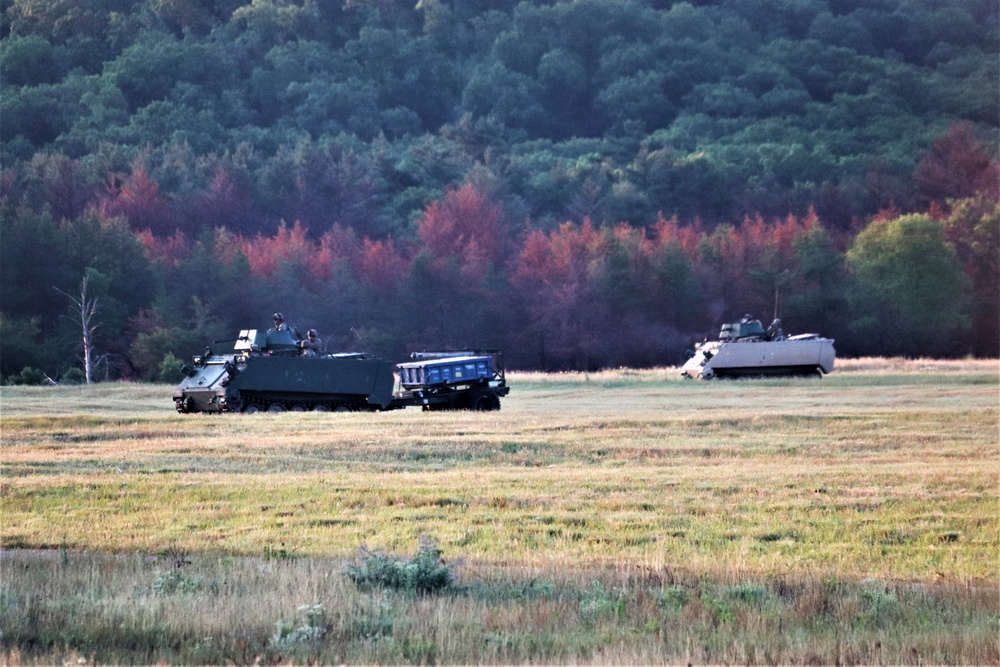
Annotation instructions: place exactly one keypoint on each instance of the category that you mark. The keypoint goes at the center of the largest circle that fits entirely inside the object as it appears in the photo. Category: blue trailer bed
(454, 370)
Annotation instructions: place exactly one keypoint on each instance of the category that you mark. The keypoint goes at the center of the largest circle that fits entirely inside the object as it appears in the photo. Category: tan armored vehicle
(746, 349)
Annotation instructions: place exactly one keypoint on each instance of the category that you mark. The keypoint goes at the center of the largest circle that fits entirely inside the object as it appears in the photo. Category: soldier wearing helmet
(311, 344)
(774, 331)
(279, 322)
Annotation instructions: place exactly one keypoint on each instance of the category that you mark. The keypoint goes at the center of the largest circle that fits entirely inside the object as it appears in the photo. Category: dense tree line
(585, 183)
(578, 296)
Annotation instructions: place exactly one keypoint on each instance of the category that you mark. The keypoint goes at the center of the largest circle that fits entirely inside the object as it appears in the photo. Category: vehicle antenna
(362, 340)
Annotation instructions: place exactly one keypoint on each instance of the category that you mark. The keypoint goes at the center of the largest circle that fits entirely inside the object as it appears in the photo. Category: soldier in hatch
(311, 344)
(279, 322)
(774, 331)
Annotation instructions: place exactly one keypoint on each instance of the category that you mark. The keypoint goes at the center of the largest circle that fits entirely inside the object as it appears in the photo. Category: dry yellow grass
(885, 469)
(623, 516)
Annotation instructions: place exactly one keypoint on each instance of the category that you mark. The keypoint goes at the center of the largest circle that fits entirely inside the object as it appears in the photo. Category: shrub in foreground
(425, 572)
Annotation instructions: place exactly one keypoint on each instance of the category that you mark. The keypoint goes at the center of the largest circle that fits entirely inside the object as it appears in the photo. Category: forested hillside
(585, 183)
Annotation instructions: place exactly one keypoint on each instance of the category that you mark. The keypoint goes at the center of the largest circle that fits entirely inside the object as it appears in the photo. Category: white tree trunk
(86, 308)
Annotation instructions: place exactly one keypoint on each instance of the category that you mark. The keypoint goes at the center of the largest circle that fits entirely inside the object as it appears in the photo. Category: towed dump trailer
(266, 372)
(473, 380)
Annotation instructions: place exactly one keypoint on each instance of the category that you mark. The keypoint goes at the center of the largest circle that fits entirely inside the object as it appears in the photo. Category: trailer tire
(276, 407)
(251, 409)
(484, 400)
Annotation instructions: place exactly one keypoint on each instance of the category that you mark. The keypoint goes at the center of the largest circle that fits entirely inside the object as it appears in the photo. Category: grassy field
(622, 516)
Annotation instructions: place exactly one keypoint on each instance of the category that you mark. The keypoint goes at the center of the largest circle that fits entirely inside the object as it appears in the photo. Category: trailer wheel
(343, 407)
(321, 407)
(484, 400)
(276, 407)
(251, 409)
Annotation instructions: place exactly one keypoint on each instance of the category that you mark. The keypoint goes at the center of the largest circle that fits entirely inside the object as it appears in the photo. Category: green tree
(510, 96)
(261, 24)
(817, 298)
(21, 339)
(157, 350)
(974, 227)
(110, 247)
(402, 68)
(639, 98)
(565, 92)
(37, 114)
(909, 295)
(55, 181)
(28, 61)
(211, 288)
(34, 257)
(150, 69)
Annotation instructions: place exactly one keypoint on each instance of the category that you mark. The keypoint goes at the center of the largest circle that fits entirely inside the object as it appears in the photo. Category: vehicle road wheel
(343, 407)
(276, 407)
(251, 409)
(298, 408)
(321, 407)
(484, 400)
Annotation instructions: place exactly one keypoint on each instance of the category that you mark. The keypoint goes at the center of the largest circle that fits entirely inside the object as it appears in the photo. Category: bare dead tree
(84, 308)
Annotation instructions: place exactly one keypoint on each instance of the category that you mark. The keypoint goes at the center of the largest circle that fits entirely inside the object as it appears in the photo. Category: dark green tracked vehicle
(265, 372)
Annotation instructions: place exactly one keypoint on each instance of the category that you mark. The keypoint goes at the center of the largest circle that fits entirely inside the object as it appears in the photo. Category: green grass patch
(619, 517)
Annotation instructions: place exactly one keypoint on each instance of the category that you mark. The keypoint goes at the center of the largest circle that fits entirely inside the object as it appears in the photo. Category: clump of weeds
(424, 572)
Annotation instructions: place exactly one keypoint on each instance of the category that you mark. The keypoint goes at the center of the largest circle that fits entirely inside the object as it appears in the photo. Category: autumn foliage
(957, 167)
(135, 197)
(465, 229)
(575, 295)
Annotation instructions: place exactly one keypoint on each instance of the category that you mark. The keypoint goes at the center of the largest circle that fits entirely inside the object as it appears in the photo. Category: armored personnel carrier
(746, 349)
(265, 371)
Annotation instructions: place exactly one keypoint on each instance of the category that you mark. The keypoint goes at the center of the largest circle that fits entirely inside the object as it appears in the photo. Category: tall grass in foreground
(102, 609)
(617, 517)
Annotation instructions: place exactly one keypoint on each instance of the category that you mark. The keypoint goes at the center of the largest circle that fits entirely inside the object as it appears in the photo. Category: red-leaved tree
(167, 251)
(289, 247)
(957, 167)
(465, 229)
(137, 198)
(553, 277)
(380, 265)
